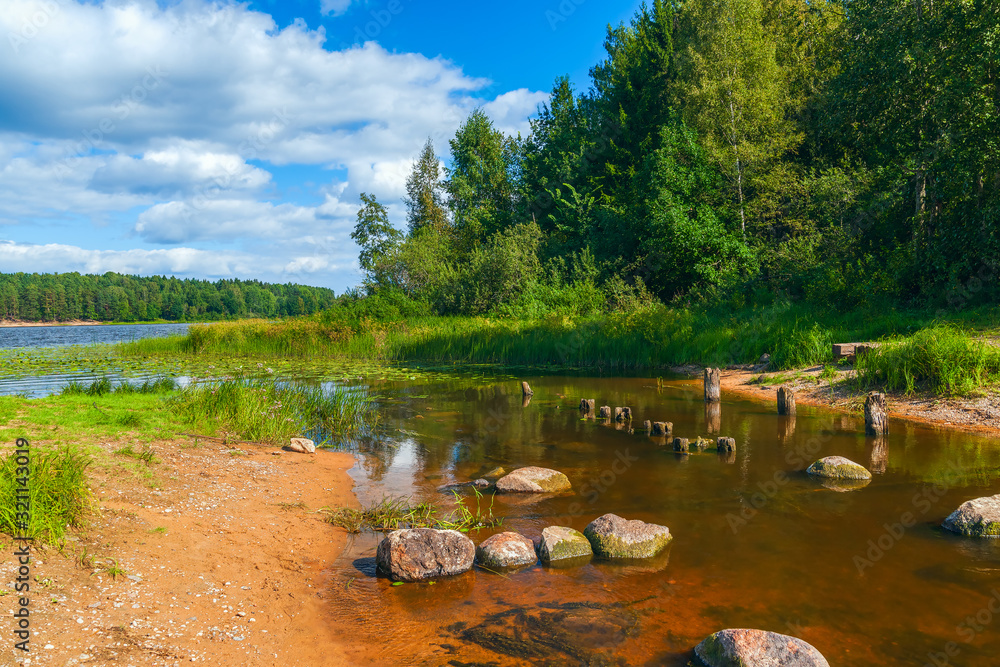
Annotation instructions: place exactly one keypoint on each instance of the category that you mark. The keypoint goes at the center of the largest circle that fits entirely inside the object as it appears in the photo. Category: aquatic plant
(266, 410)
(394, 513)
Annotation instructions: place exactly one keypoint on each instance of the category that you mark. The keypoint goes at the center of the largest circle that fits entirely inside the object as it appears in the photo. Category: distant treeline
(113, 297)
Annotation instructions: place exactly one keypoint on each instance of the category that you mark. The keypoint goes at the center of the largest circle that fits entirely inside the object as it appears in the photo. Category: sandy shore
(980, 414)
(226, 561)
(68, 323)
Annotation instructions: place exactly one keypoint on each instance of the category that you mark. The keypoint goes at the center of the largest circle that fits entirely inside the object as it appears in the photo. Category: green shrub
(58, 492)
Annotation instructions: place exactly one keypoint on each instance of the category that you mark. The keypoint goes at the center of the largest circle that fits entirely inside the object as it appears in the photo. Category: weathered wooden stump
(681, 444)
(623, 414)
(605, 412)
(618, 414)
(587, 405)
(648, 425)
(726, 444)
(663, 428)
(526, 390)
(713, 379)
(876, 422)
(786, 401)
(713, 417)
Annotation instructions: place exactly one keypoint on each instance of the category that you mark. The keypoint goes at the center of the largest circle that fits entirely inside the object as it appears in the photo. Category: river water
(867, 575)
(756, 544)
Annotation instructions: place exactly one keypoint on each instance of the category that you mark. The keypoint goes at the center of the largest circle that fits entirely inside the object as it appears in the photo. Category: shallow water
(756, 542)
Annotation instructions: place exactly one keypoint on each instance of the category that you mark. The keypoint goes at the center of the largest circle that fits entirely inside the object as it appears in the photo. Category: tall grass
(941, 358)
(795, 336)
(263, 410)
(58, 492)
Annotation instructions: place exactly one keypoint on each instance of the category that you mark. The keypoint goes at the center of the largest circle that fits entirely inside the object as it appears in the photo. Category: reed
(263, 410)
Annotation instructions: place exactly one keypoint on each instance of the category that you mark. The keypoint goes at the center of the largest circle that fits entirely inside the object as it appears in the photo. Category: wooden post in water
(623, 414)
(786, 401)
(648, 425)
(876, 422)
(587, 405)
(726, 444)
(526, 390)
(713, 378)
(618, 414)
(680, 444)
(605, 412)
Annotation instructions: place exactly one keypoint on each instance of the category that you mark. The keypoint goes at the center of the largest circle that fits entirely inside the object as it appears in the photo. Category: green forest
(843, 154)
(113, 297)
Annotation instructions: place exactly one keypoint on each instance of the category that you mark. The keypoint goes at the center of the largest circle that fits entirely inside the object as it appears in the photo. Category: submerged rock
(614, 537)
(839, 468)
(976, 518)
(560, 543)
(422, 553)
(465, 486)
(495, 473)
(741, 648)
(302, 445)
(505, 551)
(533, 480)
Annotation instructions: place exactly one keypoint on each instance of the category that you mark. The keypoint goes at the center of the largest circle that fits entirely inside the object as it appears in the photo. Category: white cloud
(335, 7)
(55, 257)
(183, 110)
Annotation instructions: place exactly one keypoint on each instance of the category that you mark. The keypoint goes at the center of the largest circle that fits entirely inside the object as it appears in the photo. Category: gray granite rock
(757, 648)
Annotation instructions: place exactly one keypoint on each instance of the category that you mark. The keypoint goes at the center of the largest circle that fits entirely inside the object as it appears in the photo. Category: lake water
(867, 576)
(13, 337)
(757, 543)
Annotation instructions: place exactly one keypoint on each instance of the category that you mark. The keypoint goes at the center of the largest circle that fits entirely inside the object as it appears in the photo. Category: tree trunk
(526, 390)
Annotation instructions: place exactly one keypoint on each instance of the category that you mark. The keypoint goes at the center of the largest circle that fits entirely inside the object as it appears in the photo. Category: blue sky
(214, 140)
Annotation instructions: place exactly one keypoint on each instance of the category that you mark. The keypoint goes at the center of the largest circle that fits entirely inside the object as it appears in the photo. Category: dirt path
(977, 414)
(226, 564)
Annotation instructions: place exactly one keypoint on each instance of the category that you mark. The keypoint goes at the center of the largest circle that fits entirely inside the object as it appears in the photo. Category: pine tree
(424, 194)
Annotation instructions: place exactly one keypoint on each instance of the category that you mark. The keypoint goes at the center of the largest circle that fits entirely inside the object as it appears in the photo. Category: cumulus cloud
(178, 114)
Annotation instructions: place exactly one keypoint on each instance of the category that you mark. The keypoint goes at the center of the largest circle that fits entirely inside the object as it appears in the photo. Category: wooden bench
(851, 350)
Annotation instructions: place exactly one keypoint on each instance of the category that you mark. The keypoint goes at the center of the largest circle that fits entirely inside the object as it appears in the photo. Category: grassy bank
(655, 338)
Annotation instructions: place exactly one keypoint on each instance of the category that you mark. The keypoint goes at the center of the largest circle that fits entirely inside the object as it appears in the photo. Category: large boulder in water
(837, 467)
(743, 648)
(422, 553)
(976, 518)
(505, 551)
(533, 480)
(560, 543)
(614, 537)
